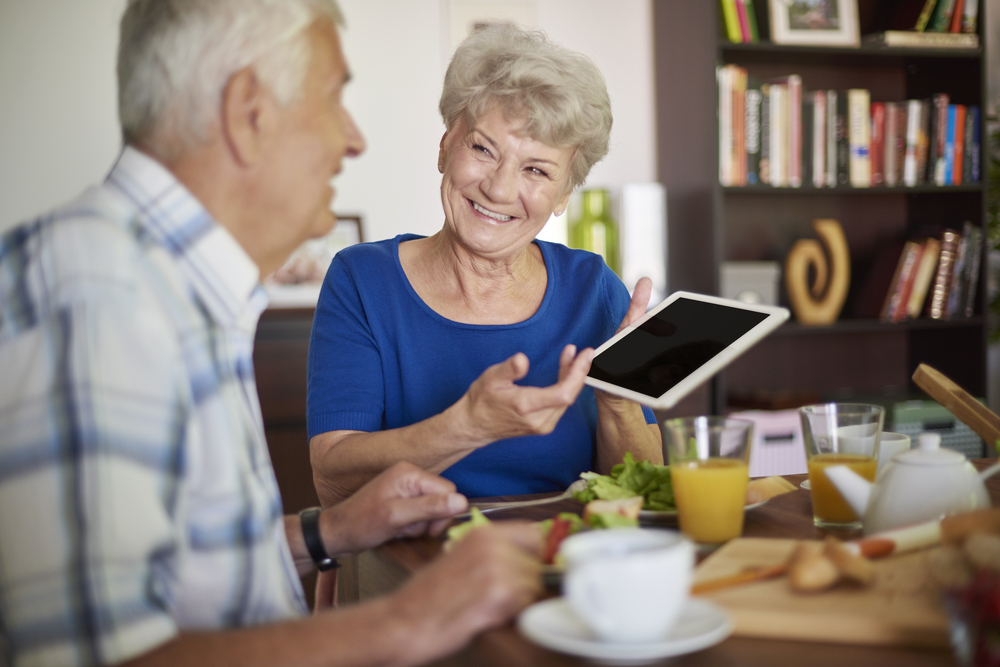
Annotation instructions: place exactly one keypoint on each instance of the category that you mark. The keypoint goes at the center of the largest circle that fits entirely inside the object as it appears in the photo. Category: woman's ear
(441, 152)
(246, 112)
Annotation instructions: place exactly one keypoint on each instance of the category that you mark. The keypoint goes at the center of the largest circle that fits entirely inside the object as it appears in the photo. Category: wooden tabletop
(787, 516)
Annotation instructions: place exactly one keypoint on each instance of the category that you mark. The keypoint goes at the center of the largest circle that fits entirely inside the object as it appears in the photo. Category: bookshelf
(855, 357)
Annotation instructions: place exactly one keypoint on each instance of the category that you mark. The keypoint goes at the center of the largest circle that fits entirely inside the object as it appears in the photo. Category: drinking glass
(839, 434)
(709, 461)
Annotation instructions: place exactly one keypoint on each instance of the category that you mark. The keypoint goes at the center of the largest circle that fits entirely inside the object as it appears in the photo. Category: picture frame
(297, 283)
(814, 22)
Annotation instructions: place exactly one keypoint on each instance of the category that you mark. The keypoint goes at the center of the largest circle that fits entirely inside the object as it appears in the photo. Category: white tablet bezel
(776, 315)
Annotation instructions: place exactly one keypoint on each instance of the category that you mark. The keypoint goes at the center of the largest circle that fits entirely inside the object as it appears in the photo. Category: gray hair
(560, 93)
(175, 57)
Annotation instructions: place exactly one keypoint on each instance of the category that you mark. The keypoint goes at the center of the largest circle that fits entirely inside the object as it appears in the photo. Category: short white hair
(560, 93)
(175, 58)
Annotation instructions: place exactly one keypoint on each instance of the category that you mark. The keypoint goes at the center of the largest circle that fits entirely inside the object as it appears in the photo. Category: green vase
(595, 230)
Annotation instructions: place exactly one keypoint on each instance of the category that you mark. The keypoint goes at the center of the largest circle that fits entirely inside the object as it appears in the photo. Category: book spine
(925, 15)
(779, 135)
(956, 172)
(795, 130)
(731, 21)
(923, 277)
(974, 253)
(807, 121)
(923, 141)
(843, 141)
(938, 298)
(941, 101)
(752, 131)
(970, 17)
(956, 16)
(902, 123)
(877, 152)
(974, 150)
(955, 304)
(741, 15)
(949, 146)
(904, 270)
(912, 131)
(752, 18)
(889, 159)
(765, 133)
(739, 126)
(906, 282)
(942, 16)
(831, 138)
(819, 139)
(859, 128)
(723, 74)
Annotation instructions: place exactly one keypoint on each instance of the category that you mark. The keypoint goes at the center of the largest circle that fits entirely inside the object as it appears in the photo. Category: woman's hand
(495, 408)
(639, 303)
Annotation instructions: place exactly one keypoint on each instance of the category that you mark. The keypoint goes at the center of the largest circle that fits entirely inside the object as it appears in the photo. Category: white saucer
(669, 517)
(552, 624)
(805, 485)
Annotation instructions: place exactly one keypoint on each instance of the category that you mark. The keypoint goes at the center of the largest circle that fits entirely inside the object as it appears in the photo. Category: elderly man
(139, 515)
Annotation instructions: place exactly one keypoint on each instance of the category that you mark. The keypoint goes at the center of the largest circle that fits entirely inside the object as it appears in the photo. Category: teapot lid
(928, 452)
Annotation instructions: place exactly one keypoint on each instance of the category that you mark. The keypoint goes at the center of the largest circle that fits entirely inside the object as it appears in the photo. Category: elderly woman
(465, 352)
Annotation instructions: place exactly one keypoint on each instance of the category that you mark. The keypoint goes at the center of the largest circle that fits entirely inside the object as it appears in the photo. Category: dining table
(788, 515)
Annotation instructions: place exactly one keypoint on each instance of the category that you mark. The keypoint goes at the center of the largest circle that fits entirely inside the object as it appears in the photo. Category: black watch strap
(314, 542)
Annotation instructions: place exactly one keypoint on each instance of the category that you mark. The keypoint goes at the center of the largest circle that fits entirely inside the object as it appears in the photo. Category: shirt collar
(220, 271)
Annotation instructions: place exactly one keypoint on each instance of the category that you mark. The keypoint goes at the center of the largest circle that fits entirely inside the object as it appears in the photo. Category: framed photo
(814, 22)
(297, 283)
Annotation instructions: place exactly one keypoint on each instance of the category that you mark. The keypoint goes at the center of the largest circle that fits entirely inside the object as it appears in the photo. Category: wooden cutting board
(901, 608)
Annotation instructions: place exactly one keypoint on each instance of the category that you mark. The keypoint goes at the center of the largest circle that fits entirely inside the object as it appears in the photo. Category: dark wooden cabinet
(710, 224)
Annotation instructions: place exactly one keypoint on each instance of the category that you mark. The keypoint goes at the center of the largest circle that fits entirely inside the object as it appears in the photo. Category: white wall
(58, 119)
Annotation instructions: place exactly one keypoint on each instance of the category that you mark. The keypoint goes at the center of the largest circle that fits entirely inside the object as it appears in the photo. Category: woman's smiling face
(500, 186)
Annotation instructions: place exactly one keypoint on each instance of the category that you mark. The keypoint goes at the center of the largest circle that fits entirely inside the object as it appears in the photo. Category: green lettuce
(631, 478)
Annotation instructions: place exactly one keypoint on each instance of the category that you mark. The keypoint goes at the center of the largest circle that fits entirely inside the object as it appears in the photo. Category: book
(922, 278)
(922, 40)
(739, 166)
(831, 138)
(937, 301)
(912, 139)
(956, 16)
(741, 15)
(877, 152)
(940, 124)
(751, 131)
(792, 129)
(925, 15)
(859, 137)
(764, 172)
(970, 18)
(956, 172)
(779, 135)
(941, 19)
(724, 75)
(973, 255)
(973, 121)
(730, 21)
(819, 139)
(903, 277)
(923, 140)
(955, 305)
(949, 146)
(902, 123)
(871, 295)
(889, 159)
(906, 282)
(807, 135)
(843, 140)
(752, 18)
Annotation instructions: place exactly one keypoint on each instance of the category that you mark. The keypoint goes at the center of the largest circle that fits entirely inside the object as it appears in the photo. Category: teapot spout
(855, 489)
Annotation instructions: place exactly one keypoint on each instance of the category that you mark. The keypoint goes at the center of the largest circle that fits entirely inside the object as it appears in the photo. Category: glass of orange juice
(839, 434)
(709, 468)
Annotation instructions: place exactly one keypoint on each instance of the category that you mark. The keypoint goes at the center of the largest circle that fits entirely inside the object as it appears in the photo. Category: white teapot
(917, 485)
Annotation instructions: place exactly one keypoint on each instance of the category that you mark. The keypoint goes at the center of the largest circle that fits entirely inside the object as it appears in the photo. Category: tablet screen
(671, 345)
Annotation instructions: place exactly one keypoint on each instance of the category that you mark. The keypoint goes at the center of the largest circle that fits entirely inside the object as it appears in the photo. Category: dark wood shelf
(864, 55)
(846, 326)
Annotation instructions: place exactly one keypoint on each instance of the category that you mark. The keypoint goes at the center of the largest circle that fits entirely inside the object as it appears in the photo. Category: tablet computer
(678, 345)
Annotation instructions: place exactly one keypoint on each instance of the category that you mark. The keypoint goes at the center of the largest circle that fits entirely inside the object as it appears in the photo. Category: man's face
(311, 138)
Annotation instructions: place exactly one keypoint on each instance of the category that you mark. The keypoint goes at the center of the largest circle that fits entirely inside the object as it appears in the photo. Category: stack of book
(941, 24)
(776, 133)
(739, 21)
(935, 277)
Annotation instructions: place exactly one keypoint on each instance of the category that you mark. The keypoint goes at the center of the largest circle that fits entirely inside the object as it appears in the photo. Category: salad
(631, 478)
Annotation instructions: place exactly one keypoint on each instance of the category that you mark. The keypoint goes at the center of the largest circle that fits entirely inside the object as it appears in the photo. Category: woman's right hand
(496, 408)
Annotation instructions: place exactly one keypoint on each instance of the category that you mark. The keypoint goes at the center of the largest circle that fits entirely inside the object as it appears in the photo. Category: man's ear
(245, 114)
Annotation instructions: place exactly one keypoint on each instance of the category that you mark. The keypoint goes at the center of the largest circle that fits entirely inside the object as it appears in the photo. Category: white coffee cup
(890, 445)
(628, 584)
(857, 439)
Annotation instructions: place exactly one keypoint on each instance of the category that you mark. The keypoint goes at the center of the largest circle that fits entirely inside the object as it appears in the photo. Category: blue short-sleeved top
(380, 358)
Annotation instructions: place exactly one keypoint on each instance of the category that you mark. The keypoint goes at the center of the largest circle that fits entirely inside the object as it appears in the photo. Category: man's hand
(485, 579)
(496, 408)
(403, 501)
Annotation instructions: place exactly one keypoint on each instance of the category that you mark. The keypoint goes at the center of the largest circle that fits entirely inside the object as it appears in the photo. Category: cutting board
(901, 608)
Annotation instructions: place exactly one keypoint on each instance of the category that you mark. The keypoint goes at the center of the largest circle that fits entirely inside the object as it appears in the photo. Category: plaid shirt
(137, 497)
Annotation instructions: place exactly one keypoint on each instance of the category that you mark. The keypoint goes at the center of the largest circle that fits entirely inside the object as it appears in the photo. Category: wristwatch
(314, 542)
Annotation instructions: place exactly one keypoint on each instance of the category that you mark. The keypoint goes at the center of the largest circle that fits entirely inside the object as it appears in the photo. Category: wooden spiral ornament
(822, 302)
